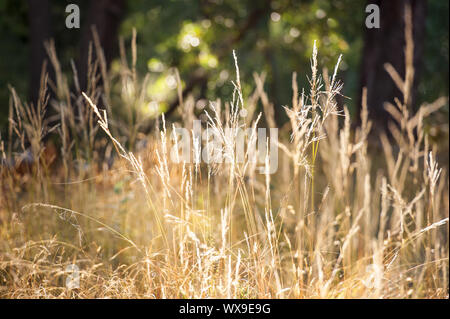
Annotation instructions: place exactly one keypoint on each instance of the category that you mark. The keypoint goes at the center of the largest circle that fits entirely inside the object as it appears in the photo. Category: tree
(39, 26)
(104, 16)
(386, 45)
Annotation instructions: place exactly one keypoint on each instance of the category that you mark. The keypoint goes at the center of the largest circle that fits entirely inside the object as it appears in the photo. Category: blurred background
(274, 37)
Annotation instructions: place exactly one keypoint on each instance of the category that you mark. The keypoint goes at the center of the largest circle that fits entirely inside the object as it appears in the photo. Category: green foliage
(277, 40)
(14, 51)
(435, 63)
(197, 37)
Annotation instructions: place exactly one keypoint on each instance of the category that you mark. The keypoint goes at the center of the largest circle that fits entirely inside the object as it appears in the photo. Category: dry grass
(337, 220)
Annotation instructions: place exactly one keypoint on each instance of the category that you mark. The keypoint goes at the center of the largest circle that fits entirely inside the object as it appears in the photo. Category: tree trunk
(386, 45)
(39, 26)
(105, 16)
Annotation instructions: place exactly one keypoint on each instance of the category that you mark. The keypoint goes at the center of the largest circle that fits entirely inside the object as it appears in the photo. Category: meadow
(350, 212)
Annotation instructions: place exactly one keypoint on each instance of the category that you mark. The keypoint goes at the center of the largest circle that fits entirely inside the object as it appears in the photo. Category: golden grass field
(351, 212)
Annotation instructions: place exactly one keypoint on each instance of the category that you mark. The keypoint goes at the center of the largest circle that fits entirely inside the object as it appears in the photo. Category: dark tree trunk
(105, 16)
(39, 26)
(386, 45)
